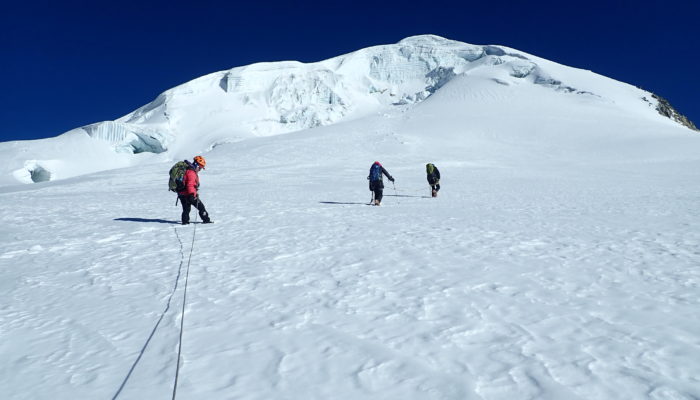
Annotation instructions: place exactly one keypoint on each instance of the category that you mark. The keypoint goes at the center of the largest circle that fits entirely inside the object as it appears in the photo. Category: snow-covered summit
(279, 97)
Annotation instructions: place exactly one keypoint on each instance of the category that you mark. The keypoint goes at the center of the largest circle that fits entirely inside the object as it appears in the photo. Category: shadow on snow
(160, 221)
(407, 195)
(339, 202)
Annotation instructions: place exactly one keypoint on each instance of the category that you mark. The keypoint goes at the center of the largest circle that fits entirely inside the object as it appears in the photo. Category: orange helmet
(199, 160)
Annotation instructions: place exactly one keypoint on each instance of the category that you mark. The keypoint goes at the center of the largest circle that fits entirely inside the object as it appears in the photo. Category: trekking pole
(395, 194)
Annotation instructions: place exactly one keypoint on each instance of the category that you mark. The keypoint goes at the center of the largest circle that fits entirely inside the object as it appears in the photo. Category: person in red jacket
(188, 196)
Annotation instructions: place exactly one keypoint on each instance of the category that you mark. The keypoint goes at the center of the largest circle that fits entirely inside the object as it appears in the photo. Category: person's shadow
(406, 195)
(159, 221)
(338, 202)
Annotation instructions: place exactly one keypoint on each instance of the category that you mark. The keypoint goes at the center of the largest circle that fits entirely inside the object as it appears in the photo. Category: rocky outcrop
(664, 108)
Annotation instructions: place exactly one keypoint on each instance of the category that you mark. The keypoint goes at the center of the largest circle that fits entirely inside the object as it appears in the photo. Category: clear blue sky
(70, 63)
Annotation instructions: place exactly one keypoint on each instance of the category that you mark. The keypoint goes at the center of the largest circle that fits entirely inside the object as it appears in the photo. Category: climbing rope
(184, 302)
(162, 315)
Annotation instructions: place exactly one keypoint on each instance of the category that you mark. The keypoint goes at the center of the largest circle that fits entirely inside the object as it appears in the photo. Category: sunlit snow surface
(560, 261)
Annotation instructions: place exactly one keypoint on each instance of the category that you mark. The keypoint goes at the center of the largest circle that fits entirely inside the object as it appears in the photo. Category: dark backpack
(177, 174)
(375, 173)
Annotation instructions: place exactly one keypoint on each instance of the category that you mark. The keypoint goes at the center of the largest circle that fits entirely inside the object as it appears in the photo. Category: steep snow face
(274, 98)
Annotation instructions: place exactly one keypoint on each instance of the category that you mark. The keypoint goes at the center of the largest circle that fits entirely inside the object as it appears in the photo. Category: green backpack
(177, 174)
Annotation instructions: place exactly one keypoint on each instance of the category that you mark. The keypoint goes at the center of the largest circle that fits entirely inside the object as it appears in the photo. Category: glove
(391, 179)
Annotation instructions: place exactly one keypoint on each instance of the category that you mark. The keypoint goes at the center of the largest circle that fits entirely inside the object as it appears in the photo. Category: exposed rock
(666, 109)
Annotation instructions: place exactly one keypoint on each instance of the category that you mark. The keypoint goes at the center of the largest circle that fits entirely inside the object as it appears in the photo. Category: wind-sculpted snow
(275, 98)
(154, 112)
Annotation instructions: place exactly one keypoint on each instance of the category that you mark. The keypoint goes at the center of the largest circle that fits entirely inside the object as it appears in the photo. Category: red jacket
(191, 182)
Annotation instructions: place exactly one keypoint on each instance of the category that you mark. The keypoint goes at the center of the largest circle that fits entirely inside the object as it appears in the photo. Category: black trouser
(378, 194)
(187, 202)
(434, 182)
(378, 188)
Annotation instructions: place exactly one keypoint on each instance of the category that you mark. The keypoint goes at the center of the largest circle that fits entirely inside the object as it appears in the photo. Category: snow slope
(560, 261)
(276, 98)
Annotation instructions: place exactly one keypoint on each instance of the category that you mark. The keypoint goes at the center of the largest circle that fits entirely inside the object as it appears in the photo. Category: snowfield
(560, 260)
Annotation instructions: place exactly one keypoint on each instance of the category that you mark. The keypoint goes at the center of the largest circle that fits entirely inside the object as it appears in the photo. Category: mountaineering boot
(185, 223)
(434, 193)
(208, 222)
(376, 202)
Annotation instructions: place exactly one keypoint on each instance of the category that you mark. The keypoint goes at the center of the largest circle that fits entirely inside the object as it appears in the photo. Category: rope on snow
(162, 315)
(184, 302)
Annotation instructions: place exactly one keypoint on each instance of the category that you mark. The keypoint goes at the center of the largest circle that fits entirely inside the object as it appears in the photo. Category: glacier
(274, 98)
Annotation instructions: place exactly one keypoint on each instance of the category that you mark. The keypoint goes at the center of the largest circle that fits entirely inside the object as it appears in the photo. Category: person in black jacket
(376, 183)
(433, 178)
